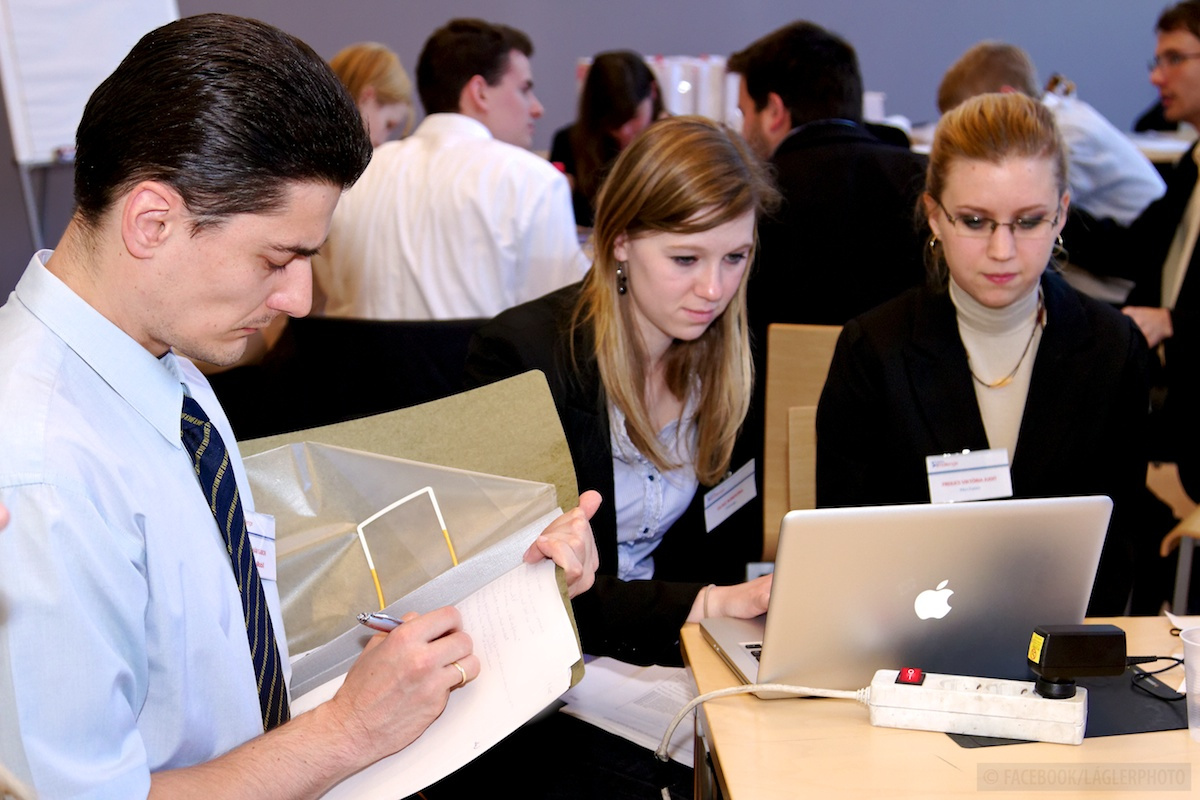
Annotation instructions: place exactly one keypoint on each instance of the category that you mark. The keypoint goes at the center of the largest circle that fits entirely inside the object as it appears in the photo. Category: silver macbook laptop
(954, 589)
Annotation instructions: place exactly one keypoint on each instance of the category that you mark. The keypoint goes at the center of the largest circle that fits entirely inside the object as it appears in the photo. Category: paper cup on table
(1191, 663)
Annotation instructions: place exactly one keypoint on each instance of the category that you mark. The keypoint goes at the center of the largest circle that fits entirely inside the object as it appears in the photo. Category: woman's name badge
(969, 475)
(728, 496)
(261, 528)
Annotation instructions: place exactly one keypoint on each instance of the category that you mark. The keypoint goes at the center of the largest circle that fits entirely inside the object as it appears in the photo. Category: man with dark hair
(1158, 252)
(812, 74)
(459, 220)
(459, 51)
(1109, 176)
(1161, 247)
(844, 239)
(141, 651)
(1158, 249)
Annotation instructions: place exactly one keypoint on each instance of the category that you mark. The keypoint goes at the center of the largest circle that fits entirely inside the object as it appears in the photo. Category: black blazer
(636, 621)
(899, 389)
(845, 239)
(1138, 252)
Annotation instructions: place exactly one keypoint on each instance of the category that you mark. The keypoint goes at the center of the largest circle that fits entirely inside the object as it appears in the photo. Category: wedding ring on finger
(461, 671)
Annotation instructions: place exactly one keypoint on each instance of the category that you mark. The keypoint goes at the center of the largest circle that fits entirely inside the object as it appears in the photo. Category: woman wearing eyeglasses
(997, 351)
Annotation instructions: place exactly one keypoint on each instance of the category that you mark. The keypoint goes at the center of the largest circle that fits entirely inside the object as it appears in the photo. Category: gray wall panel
(903, 45)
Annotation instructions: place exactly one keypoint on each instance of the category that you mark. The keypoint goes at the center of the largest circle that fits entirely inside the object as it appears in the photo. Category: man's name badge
(969, 475)
(729, 495)
(261, 528)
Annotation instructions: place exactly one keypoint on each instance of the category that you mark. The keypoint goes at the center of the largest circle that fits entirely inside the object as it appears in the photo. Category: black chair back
(325, 370)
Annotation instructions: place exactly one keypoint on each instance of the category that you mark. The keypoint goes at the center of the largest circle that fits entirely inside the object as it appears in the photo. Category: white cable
(860, 695)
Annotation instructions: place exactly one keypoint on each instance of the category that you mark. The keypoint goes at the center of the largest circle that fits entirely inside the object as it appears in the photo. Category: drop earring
(622, 278)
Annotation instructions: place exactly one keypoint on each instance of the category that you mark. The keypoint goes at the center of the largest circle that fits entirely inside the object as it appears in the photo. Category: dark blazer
(1147, 245)
(636, 621)
(304, 380)
(1138, 252)
(899, 389)
(845, 239)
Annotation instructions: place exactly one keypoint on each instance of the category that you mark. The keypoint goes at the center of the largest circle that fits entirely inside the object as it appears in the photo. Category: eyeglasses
(977, 227)
(1171, 59)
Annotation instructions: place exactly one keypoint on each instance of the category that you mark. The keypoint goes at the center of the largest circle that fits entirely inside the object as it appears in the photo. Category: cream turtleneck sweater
(994, 339)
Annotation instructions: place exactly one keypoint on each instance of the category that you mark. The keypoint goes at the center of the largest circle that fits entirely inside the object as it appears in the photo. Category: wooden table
(1162, 148)
(827, 748)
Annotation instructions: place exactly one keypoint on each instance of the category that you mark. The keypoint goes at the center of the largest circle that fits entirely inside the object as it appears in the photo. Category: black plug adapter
(1058, 654)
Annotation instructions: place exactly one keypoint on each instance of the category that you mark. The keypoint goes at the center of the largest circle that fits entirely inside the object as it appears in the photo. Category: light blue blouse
(648, 501)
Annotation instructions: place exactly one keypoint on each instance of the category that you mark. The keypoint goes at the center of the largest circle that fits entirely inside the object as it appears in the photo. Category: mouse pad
(1115, 707)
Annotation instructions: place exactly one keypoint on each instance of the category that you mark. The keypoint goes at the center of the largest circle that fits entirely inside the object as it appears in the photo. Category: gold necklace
(1038, 322)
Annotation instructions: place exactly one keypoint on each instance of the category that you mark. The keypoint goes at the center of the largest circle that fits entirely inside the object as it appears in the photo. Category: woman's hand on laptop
(742, 600)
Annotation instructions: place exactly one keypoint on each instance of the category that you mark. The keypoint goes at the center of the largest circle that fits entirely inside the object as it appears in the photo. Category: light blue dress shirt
(122, 643)
(647, 500)
(1109, 176)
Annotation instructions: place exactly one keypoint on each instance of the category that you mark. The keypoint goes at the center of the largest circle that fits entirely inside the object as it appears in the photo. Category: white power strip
(976, 706)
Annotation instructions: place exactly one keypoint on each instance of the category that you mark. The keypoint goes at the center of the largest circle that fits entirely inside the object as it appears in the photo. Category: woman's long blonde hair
(682, 175)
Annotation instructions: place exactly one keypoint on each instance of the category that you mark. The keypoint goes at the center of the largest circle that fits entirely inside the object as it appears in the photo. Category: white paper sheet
(526, 648)
(635, 703)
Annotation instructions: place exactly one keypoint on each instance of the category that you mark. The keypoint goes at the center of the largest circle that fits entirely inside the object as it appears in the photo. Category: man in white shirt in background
(459, 220)
(1109, 176)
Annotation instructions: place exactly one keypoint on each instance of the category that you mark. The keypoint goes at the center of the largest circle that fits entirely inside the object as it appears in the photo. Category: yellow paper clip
(367, 550)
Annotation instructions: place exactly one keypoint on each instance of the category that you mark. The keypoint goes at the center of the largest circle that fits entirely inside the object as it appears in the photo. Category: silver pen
(378, 621)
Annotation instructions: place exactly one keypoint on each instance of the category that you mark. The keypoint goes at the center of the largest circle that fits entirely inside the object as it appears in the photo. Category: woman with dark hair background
(619, 100)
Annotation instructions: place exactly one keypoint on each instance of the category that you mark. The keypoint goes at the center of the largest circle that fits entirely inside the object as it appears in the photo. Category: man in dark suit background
(1158, 251)
(844, 239)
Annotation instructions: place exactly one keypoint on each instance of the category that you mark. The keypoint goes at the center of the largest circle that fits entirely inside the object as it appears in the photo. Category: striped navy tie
(211, 460)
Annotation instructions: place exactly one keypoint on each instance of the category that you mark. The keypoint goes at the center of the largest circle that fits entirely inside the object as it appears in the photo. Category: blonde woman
(380, 87)
(998, 352)
(649, 365)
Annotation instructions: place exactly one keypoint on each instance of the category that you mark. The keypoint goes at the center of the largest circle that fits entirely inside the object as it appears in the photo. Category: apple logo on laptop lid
(933, 603)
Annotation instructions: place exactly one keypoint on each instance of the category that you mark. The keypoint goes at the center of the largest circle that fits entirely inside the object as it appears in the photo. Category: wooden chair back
(798, 358)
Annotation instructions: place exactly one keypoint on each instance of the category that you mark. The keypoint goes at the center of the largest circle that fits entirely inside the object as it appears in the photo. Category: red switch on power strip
(911, 675)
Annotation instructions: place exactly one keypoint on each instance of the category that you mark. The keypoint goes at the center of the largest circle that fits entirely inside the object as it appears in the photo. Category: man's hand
(396, 688)
(742, 601)
(400, 683)
(1155, 323)
(568, 541)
